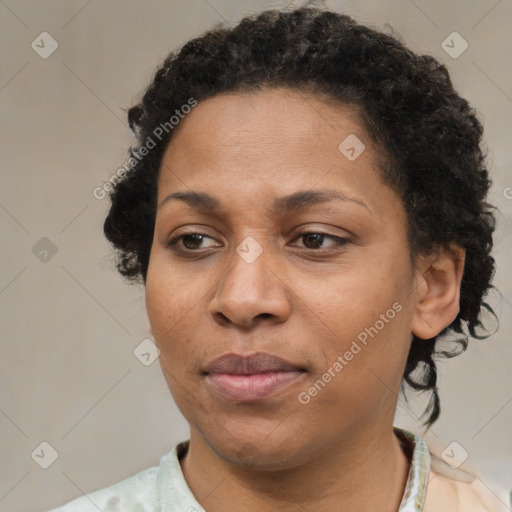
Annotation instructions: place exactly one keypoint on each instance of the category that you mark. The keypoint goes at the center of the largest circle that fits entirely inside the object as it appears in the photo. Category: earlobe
(438, 291)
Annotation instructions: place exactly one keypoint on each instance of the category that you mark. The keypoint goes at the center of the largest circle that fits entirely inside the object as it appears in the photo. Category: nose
(251, 292)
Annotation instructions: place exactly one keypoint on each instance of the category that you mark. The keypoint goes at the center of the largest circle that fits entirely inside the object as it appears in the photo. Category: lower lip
(251, 388)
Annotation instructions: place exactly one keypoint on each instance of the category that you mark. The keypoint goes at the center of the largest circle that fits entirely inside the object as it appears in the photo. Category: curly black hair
(430, 139)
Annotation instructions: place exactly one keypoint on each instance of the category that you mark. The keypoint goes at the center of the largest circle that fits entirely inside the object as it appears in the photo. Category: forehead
(270, 139)
(278, 116)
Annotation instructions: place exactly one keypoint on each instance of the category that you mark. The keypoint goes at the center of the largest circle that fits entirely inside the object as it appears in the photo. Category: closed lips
(235, 364)
(256, 378)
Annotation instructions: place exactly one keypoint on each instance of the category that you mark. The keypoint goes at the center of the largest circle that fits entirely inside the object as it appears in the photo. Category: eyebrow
(302, 199)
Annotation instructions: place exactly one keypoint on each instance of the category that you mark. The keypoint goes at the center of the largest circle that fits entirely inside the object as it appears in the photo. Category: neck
(366, 472)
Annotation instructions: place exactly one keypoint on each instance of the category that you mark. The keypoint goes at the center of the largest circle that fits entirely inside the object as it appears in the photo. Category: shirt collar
(176, 496)
(416, 487)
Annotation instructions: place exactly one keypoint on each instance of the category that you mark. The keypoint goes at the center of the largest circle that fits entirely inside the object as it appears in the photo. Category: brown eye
(192, 241)
(314, 240)
(189, 241)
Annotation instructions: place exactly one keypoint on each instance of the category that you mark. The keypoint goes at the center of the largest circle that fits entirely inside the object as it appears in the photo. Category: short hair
(428, 138)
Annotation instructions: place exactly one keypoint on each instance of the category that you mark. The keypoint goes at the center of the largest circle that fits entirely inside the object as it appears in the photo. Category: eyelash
(340, 241)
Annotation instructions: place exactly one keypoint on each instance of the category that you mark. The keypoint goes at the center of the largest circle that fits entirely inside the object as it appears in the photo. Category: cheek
(173, 302)
(170, 293)
(169, 315)
(367, 316)
(168, 300)
(361, 371)
(352, 299)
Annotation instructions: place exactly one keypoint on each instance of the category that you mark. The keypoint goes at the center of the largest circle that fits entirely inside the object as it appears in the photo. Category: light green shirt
(164, 488)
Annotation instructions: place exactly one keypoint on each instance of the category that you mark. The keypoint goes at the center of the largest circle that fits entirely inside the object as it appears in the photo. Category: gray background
(70, 325)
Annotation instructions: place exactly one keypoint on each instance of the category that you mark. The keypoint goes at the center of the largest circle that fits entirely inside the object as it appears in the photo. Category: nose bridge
(250, 287)
(249, 265)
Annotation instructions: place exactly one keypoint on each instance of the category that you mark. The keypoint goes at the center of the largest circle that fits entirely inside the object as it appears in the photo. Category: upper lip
(236, 364)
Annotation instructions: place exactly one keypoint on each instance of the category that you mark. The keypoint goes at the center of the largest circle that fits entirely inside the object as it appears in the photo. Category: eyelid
(339, 240)
(175, 239)
(190, 229)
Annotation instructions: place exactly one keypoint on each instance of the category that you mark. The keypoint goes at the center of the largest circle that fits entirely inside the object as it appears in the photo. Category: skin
(302, 299)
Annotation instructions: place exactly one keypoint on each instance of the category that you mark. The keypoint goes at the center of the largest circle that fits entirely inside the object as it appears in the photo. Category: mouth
(251, 378)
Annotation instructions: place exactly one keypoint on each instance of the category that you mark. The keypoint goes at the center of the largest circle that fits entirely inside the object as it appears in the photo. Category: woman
(306, 207)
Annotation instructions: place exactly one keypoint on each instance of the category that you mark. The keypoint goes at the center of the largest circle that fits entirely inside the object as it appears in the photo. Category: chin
(261, 453)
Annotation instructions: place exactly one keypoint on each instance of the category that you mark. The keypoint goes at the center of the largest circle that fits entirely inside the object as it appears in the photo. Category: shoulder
(450, 490)
(142, 492)
(138, 492)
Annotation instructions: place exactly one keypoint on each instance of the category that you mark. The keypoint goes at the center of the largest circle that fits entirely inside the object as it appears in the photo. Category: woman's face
(336, 304)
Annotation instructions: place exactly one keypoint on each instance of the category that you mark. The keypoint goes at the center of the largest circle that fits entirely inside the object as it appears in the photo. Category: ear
(438, 281)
